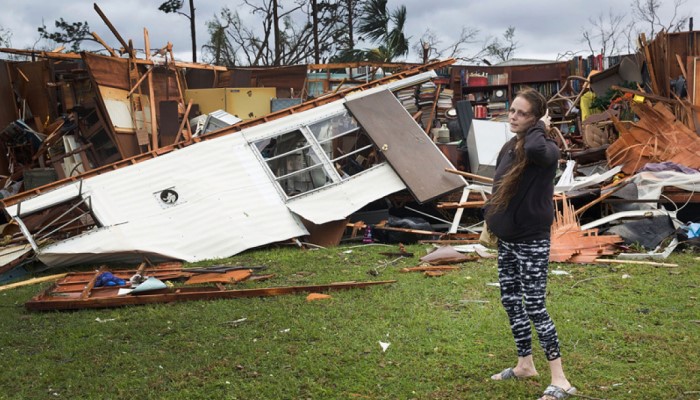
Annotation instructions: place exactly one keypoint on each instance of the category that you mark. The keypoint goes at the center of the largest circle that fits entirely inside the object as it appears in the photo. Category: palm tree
(378, 25)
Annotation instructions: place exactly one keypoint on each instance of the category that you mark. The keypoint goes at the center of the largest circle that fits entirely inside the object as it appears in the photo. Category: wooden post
(185, 118)
(154, 123)
(114, 30)
(106, 46)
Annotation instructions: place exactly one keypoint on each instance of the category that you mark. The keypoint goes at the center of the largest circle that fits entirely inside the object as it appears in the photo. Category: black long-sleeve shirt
(530, 213)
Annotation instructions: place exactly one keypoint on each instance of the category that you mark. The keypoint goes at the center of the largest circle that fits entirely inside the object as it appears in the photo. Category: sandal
(558, 393)
(506, 374)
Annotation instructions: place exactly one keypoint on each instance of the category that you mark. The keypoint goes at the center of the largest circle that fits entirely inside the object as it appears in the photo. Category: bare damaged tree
(432, 45)
(647, 12)
(232, 43)
(174, 6)
(502, 51)
(5, 37)
(604, 34)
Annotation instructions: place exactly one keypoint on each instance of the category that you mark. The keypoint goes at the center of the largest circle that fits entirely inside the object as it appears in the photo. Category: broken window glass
(296, 165)
(61, 221)
(346, 144)
(319, 154)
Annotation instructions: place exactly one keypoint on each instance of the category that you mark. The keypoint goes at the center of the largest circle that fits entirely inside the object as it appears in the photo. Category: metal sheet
(409, 150)
(484, 142)
(225, 204)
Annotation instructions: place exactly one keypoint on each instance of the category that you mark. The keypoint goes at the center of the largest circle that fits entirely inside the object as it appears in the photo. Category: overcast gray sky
(544, 29)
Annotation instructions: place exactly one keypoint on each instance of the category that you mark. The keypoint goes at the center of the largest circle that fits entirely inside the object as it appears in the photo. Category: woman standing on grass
(520, 213)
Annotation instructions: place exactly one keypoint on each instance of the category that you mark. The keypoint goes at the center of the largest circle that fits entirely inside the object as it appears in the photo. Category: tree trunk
(276, 27)
(193, 32)
(314, 11)
(351, 40)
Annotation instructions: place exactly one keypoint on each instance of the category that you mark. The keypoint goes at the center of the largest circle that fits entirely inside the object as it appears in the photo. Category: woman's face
(520, 116)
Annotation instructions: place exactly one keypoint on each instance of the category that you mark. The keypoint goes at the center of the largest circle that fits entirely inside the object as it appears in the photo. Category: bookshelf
(492, 88)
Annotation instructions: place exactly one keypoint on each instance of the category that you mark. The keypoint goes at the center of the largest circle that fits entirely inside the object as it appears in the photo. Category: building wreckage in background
(137, 181)
(255, 183)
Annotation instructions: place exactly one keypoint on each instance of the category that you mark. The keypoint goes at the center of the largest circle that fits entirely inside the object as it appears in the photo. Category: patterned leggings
(522, 273)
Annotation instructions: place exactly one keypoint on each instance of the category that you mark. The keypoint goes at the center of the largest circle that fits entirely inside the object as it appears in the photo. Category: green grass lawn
(627, 332)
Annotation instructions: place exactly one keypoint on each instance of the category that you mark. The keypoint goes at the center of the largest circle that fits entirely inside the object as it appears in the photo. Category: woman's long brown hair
(509, 182)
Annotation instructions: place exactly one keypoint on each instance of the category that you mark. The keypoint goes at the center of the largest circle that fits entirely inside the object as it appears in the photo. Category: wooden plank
(650, 60)
(33, 281)
(475, 177)
(154, 122)
(226, 277)
(114, 31)
(105, 45)
(460, 205)
(91, 284)
(138, 83)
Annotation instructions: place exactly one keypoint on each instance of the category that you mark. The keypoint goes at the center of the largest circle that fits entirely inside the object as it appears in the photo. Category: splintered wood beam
(602, 197)
(466, 204)
(91, 284)
(113, 29)
(154, 122)
(682, 66)
(481, 178)
(389, 228)
(169, 46)
(650, 67)
(105, 45)
(138, 83)
(185, 118)
(33, 281)
(146, 44)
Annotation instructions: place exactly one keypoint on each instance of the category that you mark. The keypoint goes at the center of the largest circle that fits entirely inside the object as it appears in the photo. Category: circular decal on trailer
(169, 196)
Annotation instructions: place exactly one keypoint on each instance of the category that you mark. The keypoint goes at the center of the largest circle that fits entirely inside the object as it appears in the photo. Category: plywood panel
(249, 103)
(108, 71)
(411, 153)
(209, 100)
(124, 119)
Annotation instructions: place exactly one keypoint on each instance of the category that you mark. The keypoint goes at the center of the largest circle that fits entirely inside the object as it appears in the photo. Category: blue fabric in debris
(108, 279)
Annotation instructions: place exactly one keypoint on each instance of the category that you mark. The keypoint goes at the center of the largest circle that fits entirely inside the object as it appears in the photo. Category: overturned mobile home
(248, 185)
